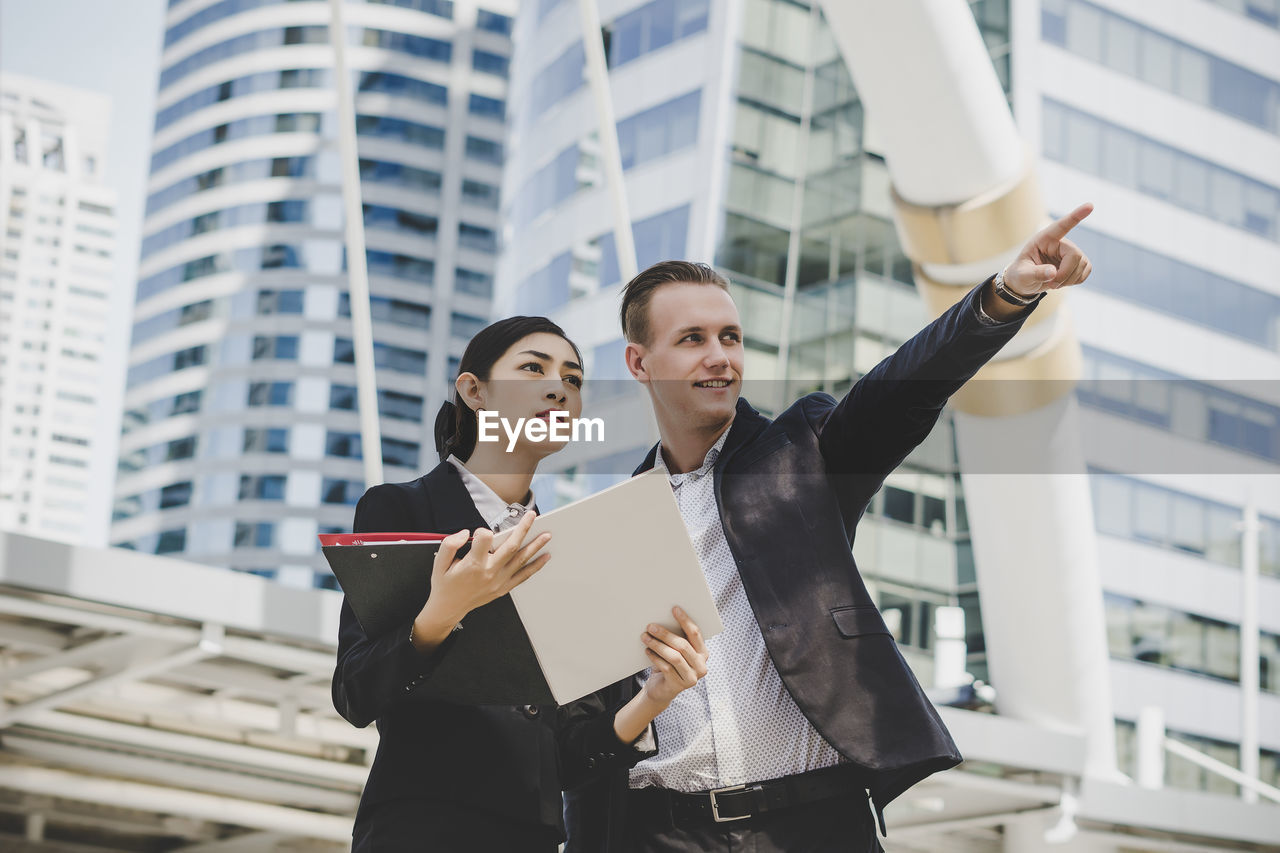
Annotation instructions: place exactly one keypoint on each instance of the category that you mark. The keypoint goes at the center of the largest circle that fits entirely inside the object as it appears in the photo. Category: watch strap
(1003, 291)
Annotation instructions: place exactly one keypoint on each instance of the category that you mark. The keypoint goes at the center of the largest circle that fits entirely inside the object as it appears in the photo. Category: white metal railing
(1153, 743)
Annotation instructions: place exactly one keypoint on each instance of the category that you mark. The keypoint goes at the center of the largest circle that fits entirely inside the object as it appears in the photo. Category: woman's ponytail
(446, 429)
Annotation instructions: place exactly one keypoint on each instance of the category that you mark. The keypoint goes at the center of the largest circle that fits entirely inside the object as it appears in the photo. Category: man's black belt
(743, 802)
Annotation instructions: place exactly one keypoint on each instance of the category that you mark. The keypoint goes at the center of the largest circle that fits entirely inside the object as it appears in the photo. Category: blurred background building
(240, 436)
(57, 233)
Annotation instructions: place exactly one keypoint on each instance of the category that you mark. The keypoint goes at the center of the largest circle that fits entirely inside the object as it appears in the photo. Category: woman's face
(537, 375)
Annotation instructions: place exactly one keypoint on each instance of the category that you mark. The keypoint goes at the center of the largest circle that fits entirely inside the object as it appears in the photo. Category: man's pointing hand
(1049, 260)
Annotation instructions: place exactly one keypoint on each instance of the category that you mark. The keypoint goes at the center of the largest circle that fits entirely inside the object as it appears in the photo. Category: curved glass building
(240, 436)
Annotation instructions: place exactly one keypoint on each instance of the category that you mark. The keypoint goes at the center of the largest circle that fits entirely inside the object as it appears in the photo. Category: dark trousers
(839, 825)
(414, 826)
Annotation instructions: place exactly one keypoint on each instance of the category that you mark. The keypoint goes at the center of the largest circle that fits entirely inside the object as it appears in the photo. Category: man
(808, 708)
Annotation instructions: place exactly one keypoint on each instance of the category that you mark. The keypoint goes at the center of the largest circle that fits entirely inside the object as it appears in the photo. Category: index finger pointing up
(1063, 226)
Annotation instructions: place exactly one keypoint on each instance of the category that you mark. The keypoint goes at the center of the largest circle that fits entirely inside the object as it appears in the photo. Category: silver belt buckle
(715, 806)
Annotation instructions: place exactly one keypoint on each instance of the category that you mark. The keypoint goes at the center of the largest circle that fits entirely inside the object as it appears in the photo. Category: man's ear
(635, 355)
(470, 390)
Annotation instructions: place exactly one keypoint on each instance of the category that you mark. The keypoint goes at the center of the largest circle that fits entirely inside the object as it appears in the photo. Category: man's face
(692, 363)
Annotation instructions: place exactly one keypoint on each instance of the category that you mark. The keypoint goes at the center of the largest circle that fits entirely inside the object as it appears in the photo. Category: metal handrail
(1226, 771)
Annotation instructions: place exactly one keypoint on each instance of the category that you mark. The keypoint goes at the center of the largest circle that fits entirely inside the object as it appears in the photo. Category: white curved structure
(950, 140)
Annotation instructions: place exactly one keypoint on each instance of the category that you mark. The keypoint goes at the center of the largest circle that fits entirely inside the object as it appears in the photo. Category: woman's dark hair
(456, 425)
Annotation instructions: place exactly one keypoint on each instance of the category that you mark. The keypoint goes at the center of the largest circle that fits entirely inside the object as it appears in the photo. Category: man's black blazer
(790, 493)
(512, 761)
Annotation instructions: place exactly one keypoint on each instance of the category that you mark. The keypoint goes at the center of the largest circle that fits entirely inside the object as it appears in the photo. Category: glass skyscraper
(240, 435)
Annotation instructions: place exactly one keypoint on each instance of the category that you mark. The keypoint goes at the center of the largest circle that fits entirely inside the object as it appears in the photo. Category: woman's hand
(460, 586)
(677, 662)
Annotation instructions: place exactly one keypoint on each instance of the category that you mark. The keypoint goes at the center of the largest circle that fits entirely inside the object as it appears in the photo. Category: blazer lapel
(747, 422)
(451, 504)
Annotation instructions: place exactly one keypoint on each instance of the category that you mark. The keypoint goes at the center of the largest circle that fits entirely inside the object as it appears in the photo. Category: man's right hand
(460, 586)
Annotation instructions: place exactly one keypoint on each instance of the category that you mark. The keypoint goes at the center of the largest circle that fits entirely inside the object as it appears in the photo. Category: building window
(492, 108)
(403, 87)
(254, 534)
(400, 359)
(1144, 165)
(391, 404)
(397, 129)
(484, 150)
(420, 270)
(490, 63)
(654, 26)
(278, 347)
(171, 541)
(395, 219)
(266, 440)
(345, 445)
(464, 326)
(279, 302)
(262, 487)
(477, 238)
(270, 394)
(480, 194)
(175, 495)
(659, 131)
(336, 491)
(1137, 510)
(473, 282)
(384, 310)
(419, 46)
(1185, 407)
(1136, 51)
(166, 364)
(407, 177)
(493, 22)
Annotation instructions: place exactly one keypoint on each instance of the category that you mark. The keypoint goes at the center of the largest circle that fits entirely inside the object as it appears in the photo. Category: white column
(923, 72)
(610, 155)
(357, 268)
(1249, 674)
(1150, 747)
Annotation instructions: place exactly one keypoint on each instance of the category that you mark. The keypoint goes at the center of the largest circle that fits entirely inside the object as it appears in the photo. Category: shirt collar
(708, 461)
(492, 508)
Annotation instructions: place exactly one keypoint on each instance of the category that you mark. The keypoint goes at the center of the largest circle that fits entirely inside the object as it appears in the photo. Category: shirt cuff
(647, 742)
(983, 317)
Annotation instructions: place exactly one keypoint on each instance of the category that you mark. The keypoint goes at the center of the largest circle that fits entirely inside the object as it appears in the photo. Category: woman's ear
(470, 391)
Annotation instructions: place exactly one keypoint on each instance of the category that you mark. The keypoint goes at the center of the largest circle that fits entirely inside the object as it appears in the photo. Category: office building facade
(57, 241)
(240, 436)
(1179, 327)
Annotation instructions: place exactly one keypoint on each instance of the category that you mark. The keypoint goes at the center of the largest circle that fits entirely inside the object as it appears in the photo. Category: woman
(451, 777)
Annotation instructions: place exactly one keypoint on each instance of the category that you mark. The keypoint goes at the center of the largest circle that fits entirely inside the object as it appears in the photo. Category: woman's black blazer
(512, 761)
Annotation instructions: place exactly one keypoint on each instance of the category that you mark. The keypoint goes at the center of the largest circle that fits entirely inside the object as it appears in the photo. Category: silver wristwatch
(1003, 291)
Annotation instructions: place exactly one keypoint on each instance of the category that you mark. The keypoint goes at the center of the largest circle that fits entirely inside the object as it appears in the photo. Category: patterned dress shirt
(738, 724)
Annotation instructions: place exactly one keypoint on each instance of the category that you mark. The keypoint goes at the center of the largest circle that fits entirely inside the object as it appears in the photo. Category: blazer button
(591, 763)
(531, 711)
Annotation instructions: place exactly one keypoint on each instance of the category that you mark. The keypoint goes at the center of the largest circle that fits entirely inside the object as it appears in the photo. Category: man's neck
(684, 450)
(508, 474)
